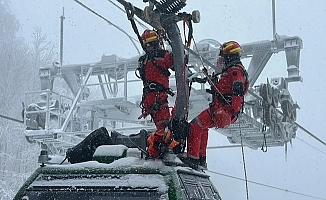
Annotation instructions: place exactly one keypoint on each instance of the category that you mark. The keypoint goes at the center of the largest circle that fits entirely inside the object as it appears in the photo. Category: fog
(303, 174)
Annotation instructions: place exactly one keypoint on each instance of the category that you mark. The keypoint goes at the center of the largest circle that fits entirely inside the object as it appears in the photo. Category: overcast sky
(87, 38)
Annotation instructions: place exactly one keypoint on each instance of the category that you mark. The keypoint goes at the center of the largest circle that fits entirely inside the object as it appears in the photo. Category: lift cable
(224, 147)
(132, 39)
(265, 185)
(237, 146)
(310, 145)
(309, 133)
(138, 21)
(12, 119)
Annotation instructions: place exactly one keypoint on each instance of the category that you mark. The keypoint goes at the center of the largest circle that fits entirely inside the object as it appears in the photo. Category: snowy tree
(19, 65)
(8, 23)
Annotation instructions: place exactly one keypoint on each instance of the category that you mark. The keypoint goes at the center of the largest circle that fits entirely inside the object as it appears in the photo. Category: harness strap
(158, 105)
(190, 32)
(225, 98)
(164, 71)
(150, 86)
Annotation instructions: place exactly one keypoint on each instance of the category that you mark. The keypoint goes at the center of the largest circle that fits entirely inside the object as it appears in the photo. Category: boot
(191, 162)
(202, 162)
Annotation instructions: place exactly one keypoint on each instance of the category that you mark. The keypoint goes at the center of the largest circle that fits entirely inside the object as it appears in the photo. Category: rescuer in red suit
(228, 98)
(154, 71)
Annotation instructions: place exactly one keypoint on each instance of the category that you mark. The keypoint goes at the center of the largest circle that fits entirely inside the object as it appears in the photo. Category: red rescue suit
(156, 86)
(223, 110)
(155, 76)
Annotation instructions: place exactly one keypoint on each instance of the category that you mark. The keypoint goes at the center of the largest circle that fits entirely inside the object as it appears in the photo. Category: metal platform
(101, 96)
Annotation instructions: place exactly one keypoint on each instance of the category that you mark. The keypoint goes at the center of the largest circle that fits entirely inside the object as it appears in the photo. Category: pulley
(169, 6)
(265, 92)
(269, 116)
(287, 109)
(275, 97)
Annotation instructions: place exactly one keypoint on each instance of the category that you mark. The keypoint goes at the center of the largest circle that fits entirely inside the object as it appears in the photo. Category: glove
(199, 80)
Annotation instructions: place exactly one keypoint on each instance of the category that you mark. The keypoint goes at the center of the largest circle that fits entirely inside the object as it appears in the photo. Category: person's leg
(194, 140)
(221, 116)
(197, 137)
(157, 106)
(202, 150)
(203, 142)
(161, 117)
(198, 133)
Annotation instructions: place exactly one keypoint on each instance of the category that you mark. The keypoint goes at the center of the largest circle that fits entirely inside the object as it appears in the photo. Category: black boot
(191, 162)
(202, 162)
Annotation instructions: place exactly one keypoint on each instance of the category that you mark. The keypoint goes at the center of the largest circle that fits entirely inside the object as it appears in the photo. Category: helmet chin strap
(220, 62)
(152, 47)
(231, 60)
(231, 63)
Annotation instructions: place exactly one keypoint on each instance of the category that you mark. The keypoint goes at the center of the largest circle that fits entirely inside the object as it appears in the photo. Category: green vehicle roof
(131, 172)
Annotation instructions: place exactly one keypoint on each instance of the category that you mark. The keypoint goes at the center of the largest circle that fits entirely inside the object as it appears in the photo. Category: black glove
(199, 80)
(180, 130)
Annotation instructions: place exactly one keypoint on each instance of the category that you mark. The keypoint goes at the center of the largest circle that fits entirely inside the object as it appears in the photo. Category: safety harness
(227, 98)
(224, 98)
(149, 86)
(152, 86)
(180, 128)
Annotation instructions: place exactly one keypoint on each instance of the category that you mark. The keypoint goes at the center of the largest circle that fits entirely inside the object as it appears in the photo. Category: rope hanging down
(244, 164)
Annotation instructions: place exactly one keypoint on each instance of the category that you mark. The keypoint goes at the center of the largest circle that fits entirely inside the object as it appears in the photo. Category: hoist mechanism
(106, 94)
(168, 6)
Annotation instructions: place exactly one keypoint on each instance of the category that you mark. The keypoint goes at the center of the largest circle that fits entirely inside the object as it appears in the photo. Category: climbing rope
(244, 163)
(138, 21)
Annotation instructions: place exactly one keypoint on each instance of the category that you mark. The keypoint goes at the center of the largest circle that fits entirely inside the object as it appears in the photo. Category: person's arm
(168, 58)
(238, 88)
